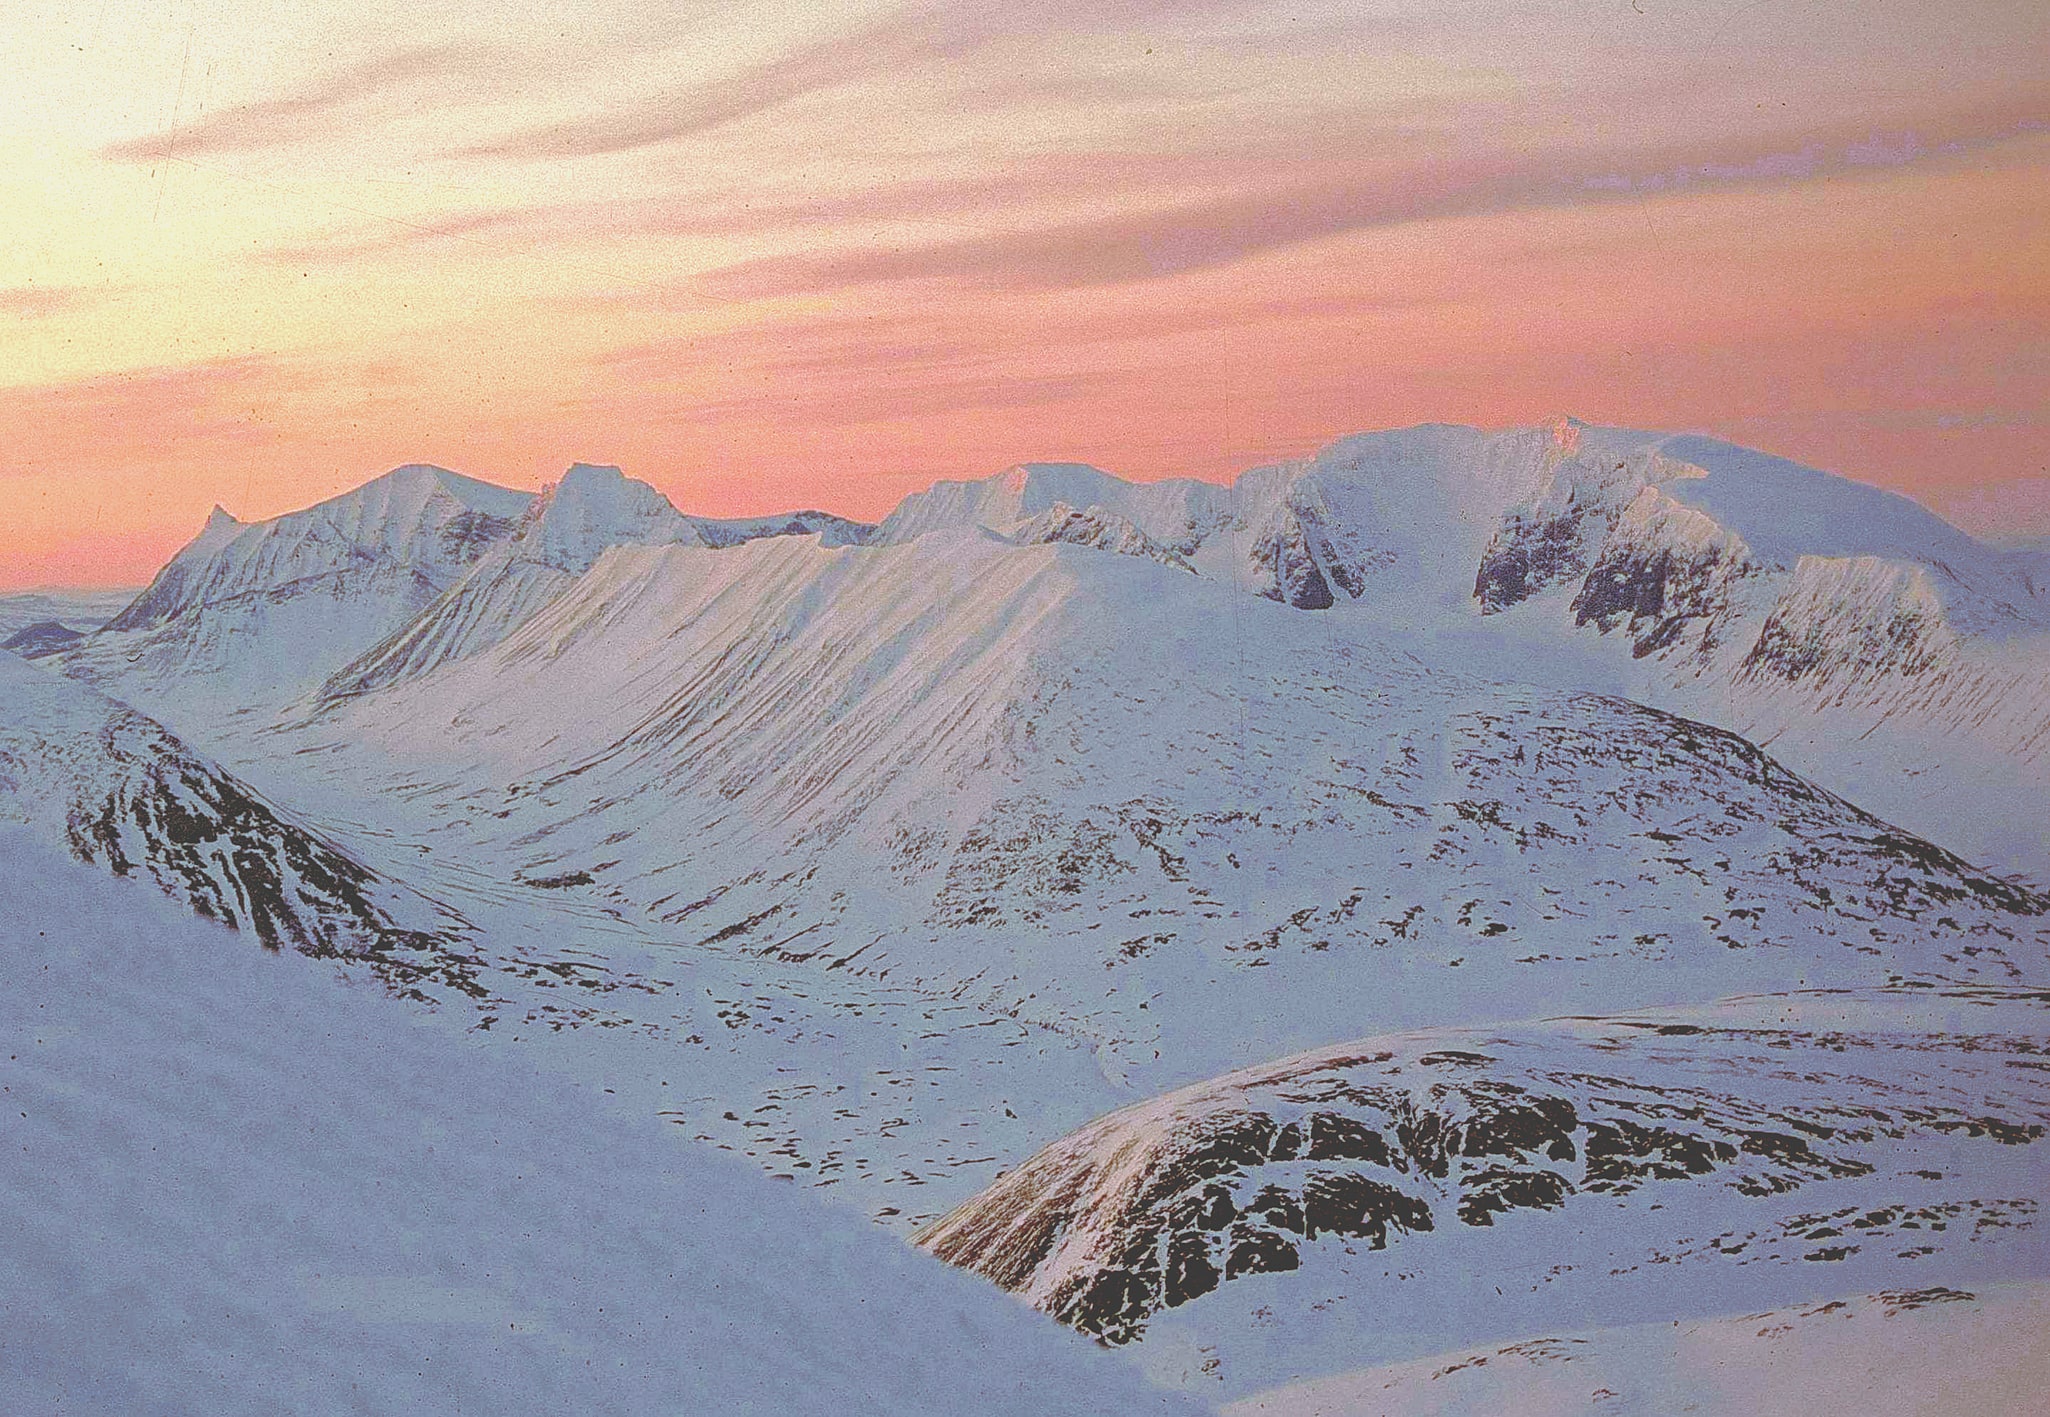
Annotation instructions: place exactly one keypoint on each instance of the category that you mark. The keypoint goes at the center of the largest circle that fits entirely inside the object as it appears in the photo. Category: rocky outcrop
(1099, 529)
(122, 792)
(1393, 1141)
(44, 637)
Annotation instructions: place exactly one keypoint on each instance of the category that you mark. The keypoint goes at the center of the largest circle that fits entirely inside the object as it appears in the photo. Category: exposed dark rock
(1157, 1207)
(45, 637)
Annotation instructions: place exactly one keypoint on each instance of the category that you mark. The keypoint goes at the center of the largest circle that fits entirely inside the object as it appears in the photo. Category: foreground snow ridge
(235, 1185)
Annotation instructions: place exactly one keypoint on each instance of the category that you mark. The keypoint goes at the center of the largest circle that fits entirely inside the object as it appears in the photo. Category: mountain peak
(413, 484)
(1021, 478)
(593, 472)
(592, 507)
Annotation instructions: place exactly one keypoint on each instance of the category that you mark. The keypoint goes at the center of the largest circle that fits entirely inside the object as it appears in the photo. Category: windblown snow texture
(1897, 1353)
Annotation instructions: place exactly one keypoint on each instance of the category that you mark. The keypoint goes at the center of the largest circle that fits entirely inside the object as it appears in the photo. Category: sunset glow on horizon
(822, 254)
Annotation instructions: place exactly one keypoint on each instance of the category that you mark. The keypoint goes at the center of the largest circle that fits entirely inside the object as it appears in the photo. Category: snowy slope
(561, 533)
(1876, 647)
(1101, 795)
(1921, 1352)
(248, 616)
(864, 1116)
(114, 789)
(1426, 1191)
(567, 527)
(233, 1184)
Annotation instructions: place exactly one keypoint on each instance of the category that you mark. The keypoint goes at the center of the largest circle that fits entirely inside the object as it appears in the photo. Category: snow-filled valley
(1458, 890)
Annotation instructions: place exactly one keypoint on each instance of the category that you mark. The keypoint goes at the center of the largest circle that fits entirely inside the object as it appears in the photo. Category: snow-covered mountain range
(1100, 794)
(249, 617)
(973, 870)
(1873, 645)
(247, 614)
(42, 622)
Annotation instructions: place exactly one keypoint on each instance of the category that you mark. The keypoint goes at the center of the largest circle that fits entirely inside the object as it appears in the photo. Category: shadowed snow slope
(1925, 1352)
(1101, 794)
(1419, 1192)
(233, 1184)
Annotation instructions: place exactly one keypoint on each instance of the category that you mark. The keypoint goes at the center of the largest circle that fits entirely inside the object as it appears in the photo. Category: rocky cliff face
(120, 791)
(1669, 579)
(1097, 528)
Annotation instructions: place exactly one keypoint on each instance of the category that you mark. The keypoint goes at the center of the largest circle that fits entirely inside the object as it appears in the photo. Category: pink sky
(800, 254)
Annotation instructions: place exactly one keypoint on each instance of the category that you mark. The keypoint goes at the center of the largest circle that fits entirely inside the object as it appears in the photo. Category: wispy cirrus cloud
(1291, 209)
(308, 113)
(40, 302)
(400, 235)
(983, 198)
(853, 369)
(699, 106)
(908, 40)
